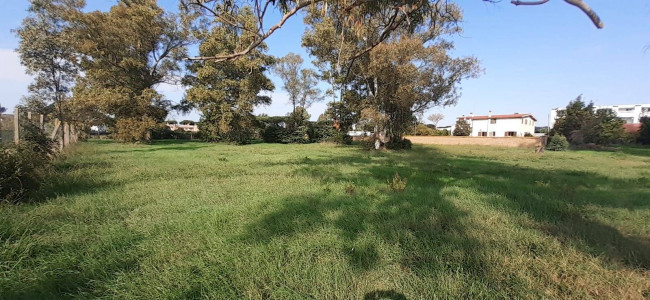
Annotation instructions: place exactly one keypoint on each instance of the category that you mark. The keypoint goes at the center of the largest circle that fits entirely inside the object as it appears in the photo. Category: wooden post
(42, 123)
(66, 134)
(57, 123)
(16, 125)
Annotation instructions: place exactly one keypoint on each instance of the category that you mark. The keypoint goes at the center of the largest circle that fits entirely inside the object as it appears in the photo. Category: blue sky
(535, 58)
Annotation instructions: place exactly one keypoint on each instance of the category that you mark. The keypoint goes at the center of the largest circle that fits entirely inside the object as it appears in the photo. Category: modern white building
(501, 125)
(630, 113)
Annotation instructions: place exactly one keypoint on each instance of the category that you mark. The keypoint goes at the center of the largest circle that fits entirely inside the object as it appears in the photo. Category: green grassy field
(194, 220)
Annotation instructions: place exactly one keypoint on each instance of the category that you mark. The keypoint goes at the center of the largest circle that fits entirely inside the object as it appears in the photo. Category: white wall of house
(503, 127)
(630, 113)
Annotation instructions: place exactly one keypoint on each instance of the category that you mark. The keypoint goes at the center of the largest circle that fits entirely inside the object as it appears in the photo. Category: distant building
(630, 113)
(501, 125)
(184, 127)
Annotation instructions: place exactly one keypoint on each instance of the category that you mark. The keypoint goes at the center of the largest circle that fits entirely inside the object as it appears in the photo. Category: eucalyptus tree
(400, 15)
(299, 83)
(226, 92)
(125, 52)
(46, 50)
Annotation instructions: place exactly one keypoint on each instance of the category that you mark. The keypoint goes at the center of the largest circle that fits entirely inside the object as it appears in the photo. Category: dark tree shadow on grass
(430, 228)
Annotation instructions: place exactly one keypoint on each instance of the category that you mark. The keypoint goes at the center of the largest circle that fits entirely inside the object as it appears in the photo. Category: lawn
(268, 221)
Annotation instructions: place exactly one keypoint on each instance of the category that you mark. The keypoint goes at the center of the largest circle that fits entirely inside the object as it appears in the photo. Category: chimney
(489, 114)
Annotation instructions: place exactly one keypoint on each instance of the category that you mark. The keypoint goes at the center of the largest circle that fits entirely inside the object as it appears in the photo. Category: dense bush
(322, 131)
(311, 132)
(422, 129)
(299, 135)
(644, 133)
(132, 130)
(23, 166)
(581, 123)
(557, 143)
(403, 144)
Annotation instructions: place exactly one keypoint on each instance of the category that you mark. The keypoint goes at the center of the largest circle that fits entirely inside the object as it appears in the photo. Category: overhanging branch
(577, 3)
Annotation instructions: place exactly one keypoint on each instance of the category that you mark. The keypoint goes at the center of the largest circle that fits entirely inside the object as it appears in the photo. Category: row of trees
(385, 62)
(581, 123)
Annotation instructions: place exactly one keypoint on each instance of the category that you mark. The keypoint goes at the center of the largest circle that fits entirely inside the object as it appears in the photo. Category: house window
(626, 109)
(482, 133)
(493, 121)
(511, 133)
(492, 133)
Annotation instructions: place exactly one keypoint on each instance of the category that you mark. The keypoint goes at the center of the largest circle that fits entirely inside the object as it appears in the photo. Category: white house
(630, 113)
(501, 125)
(184, 127)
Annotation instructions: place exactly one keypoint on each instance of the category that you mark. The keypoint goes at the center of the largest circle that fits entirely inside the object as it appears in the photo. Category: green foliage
(23, 166)
(557, 142)
(528, 134)
(297, 135)
(227, 92)
(300, 84)
(401, 144)
(132, 130)
(273, 134)
(323, 131)
(644, 133)
(125, 52)
(581, 124)
(402, 76)
(462, 128)
(46, 49)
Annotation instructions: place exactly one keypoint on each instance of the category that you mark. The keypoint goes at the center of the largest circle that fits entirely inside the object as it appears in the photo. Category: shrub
(403, 144)
(644, 133)
(299, 135)
(23, 167)
(422, 129)
(273, 134)
(397, 183)
(322, 131)
(557, 143)
(132, 130)
(528, 134)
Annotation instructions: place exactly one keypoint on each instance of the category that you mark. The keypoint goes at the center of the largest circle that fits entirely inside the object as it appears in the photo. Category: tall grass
(266, 221)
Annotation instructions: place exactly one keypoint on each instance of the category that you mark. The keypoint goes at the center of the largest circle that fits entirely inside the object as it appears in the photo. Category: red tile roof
(511, 116)
(632, 127)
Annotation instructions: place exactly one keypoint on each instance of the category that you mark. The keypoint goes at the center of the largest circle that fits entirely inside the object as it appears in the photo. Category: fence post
(16, 125)
(66, 134)
(42, 123)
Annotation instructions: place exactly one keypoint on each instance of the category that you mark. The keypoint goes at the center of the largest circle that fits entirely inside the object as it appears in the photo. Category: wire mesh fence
(6, 128)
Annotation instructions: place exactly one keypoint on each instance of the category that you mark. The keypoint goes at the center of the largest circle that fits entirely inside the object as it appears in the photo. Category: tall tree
(46, 50)
(227, 92)
(462, 128)
(402, 76)
(582, 123)
(126, 52)
(299, 83)
(435, 118)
